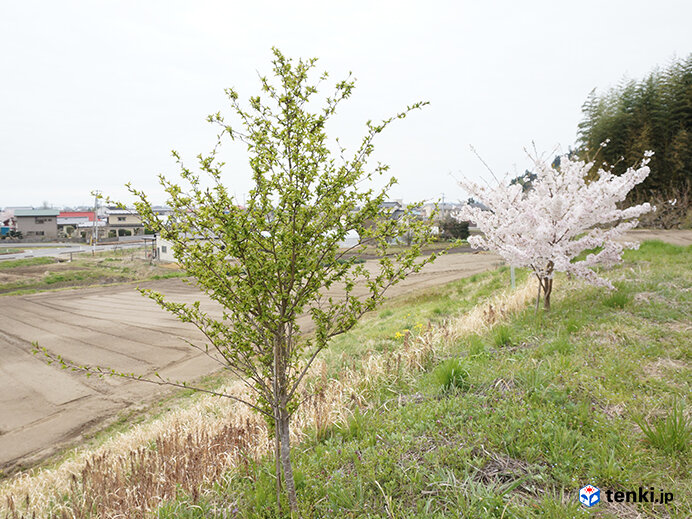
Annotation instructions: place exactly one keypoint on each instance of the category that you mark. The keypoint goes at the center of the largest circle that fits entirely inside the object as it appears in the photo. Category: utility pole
(95, 232)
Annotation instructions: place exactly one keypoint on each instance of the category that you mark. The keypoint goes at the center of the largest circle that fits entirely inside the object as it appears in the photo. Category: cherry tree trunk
(547, 290)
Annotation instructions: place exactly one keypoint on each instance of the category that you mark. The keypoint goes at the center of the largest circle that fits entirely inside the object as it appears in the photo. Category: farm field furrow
(45, 408)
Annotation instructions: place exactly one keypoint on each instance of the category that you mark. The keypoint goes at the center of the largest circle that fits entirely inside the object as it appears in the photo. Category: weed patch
(672, 434)
(502, 336)
(451, 375)
(618, 299)
(27, 262)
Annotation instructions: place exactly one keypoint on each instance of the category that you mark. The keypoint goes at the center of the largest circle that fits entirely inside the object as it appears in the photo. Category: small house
(37, 224)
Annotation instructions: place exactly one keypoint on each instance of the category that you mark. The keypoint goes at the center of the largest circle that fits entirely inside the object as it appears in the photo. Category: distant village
(72, 225)
(111, 224)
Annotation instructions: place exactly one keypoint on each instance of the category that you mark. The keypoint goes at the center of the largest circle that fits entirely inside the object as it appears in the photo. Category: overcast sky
(96, 93)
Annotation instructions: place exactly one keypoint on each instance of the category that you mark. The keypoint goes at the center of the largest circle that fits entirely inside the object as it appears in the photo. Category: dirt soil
(85, 271)
(674, 237)
(44, 409)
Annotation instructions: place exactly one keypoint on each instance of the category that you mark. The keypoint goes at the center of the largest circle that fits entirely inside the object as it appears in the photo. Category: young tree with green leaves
(273, 260)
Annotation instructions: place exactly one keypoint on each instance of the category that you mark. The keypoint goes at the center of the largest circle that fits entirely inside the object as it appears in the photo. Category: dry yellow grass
(132, 472)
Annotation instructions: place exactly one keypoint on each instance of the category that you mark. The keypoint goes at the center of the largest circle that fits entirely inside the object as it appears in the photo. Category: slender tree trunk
(548, 290)
(545, 282)
(277, 455)
(282, 424)
(286, 462)
(548, 285)
(277, 419)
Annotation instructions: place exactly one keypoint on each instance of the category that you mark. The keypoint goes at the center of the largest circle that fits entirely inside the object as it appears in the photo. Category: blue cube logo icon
(589, 495)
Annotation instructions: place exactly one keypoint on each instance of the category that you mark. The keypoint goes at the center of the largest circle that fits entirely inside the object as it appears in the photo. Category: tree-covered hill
(654, 113)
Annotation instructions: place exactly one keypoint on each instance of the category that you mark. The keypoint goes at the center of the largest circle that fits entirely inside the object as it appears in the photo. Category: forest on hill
(653, 113)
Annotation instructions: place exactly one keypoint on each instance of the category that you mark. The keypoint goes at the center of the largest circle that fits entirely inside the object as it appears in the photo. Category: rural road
(36, 250)
(44, 408)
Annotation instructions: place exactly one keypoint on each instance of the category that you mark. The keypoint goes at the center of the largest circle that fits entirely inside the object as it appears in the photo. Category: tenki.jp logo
(591, 495)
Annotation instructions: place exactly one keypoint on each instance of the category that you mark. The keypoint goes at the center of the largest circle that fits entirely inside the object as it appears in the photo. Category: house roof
(36, 212)
(119, 211)
(77, 214)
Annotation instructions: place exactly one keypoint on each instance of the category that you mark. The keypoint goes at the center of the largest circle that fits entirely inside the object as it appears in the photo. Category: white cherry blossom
(563, 215)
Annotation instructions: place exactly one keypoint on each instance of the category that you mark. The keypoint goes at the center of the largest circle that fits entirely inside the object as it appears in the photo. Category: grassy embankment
(515, 420)
(47, 273)
(453, 402)
(428, 248)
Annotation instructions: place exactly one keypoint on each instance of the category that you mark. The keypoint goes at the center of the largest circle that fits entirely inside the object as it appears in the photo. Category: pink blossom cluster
(563, 215)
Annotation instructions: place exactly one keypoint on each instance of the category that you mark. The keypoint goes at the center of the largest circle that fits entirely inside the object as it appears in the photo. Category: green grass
(451, 375)
(618, 298)
(27, 262)
(60, 279)
(534, 422)
(672, 434)
(502, 336)
(38, 274)
(169, 275)
(386, 329)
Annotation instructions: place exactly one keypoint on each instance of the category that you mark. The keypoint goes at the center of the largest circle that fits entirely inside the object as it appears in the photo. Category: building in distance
(37, 224)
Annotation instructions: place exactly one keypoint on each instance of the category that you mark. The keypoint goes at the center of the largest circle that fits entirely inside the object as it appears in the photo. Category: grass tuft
(502, 336)
(451, 376)
(673, 434)
(386, 313)
(618, 299)
(476, 346)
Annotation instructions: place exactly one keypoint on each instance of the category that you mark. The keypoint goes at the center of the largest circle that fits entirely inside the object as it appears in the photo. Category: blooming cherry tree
(563, 215)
